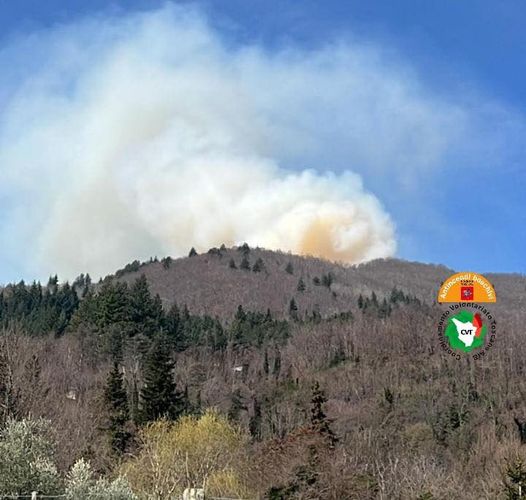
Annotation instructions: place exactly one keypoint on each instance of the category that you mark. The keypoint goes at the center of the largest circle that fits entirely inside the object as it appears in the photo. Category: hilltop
(207, 283)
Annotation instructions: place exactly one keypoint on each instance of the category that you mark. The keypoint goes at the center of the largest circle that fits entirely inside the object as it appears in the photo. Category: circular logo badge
(466, 326)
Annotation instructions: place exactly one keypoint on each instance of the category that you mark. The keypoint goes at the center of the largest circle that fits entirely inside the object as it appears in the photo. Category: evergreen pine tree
(240, 313)
(173, 326)
(327, 280)
(258, 266)
(319, 421)
(157, 311)
(360, 302)
(52, 284)
(135, 411)
(384, 310)
(115, 342)
(239, 328)
(112, 304)
(301, 285)
(117, 406)
(145, 311)
(236, 405)
(289, 268)
(159, 396)
(293, 309)
(192, 252)
(244, 249)
(232, 264)
(245, 263)
(220, 338)
(254, 425)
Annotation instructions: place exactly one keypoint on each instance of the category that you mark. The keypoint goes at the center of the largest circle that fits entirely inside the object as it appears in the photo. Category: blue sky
(467, 211)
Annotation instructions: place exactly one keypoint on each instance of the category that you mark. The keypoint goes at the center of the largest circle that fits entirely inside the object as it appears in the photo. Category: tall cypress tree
(159, 396)
(118, 415)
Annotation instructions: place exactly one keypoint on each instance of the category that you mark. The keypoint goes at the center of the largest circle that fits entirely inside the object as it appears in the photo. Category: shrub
(80, 483)
(192, 452)
(27, 458)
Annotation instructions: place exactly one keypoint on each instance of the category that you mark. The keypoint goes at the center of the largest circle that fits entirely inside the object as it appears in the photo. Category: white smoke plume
(149, 134)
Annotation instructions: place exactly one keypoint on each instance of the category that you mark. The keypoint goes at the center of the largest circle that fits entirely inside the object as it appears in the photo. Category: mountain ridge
(207, 282)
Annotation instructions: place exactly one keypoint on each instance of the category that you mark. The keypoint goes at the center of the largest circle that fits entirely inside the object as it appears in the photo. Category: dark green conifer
(112, 304)
(293, 309)
(244, 249)
(173, 327)
(245, 263)
(145, 311)
(327, 280)
(159, 395)
(236, 405)
(319, 421)
(258, 266)
(254, 424)
(118, 415)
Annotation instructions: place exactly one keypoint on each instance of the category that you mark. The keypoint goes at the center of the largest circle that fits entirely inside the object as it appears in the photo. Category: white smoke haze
(149, 134)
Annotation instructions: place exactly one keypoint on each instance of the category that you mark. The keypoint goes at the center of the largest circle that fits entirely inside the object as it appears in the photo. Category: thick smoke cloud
(150, 134)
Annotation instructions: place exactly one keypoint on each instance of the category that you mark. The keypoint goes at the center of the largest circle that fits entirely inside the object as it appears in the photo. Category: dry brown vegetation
(410, 421)
(207, 284)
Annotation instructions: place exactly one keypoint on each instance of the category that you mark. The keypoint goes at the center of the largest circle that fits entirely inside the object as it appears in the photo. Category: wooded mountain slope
(329, 381)
(207, 284)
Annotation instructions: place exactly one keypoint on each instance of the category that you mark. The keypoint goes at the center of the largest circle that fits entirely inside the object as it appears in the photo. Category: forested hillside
(257, 374)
